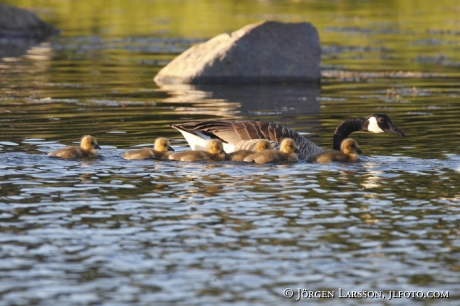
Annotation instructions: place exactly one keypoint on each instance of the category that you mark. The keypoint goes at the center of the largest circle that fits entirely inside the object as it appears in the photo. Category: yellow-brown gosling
(215, 152)
(240, 155)
(287, 153)
(161, 150)
(87, 149)
(348, 153)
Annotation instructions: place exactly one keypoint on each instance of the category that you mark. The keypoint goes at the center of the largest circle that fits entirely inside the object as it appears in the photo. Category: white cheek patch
(373, 126)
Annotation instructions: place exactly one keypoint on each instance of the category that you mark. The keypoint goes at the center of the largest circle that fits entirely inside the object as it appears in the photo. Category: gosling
(287, 153)
(161, 150)
(215, 152)
(240, 155)
(88, 149)
(348, 153)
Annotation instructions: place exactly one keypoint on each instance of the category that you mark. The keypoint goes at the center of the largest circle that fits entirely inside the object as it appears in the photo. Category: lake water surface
(116, 232)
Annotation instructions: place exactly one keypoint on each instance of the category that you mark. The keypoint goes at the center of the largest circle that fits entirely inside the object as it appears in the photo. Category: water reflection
(249, 100)
(372, 180)
(10, 48)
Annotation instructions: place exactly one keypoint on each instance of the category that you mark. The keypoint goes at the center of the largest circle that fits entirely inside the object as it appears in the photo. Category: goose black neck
(346, 128)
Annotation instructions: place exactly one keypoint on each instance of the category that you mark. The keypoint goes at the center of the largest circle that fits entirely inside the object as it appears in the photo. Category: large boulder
(21, 30)
(20, 23)
(265, 52)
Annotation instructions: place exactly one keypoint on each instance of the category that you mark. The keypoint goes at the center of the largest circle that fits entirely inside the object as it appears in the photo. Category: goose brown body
(161, 150)
(88, 149)
(234, 134)
(214, 152)
(348, 153)
(240, 155)
(286, 153)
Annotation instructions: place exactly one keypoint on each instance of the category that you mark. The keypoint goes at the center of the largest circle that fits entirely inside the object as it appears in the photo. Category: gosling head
(262, 145)
(89, 143)
(288, 146)
(350, 146)
(215, 146)
(162, 145)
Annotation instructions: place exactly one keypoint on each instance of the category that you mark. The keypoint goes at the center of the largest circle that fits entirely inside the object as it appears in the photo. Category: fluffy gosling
(161, 150)
(240, 155)
(348, 153)
(215, 152)
(87, 149)
(287, 153)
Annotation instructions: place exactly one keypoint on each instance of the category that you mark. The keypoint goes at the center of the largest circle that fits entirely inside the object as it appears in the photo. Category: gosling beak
(358, 150)
(394, 130)
(170, 149)
(296, 150)
(97, 147)
(223, 152)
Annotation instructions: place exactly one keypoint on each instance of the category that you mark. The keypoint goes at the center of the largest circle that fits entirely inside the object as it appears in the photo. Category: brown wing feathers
(235, 131)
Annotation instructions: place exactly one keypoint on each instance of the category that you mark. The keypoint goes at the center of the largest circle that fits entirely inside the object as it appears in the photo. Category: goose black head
(381, 123)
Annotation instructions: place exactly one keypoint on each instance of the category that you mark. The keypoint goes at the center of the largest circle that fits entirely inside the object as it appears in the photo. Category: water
(116, 232)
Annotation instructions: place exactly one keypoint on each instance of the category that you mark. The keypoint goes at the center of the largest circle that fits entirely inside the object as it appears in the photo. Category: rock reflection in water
(248, 100)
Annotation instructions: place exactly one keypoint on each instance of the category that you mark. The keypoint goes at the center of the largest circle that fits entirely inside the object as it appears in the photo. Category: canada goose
(87, 149)
(161, 150)
(348, 153)
(287, 152)
(214, 152)
(259, 146)
(235, 133)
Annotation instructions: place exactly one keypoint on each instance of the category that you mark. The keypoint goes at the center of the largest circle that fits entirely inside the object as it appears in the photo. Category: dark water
(116, 232)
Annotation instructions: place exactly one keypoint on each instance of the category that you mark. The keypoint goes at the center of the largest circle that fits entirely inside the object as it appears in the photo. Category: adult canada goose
(214, 152)
(286, 153)
(235, 134)
(87, 149)
(260, 145)
(348, 153)
(161, 150)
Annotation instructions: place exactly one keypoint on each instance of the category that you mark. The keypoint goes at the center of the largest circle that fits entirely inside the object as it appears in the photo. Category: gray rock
(20, 23)
(266, 52)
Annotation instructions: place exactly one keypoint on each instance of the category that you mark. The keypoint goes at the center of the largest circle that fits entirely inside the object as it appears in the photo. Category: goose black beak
(170, 149)
(394, 130)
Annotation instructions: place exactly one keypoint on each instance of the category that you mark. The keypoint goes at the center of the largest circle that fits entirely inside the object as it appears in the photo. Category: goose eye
(380, 119)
